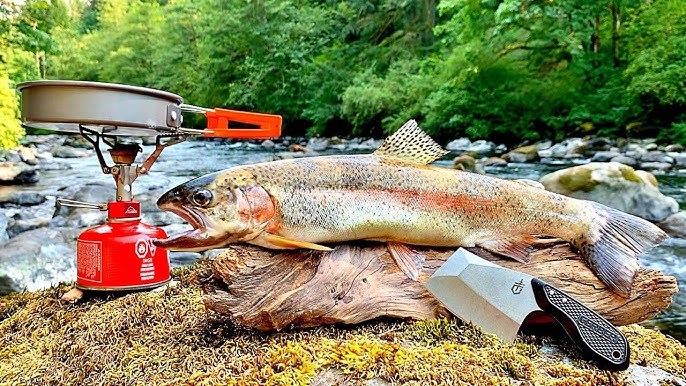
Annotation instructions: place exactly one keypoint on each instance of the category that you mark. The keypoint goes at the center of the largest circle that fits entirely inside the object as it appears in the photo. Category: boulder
(522, 154)
(4, 222)
(17, 174)
(656, 156)
(38, 259)
(675, 225)
(28, 155)
(674, 148)
(81, 217)
(604, 156)
(69, 152)
(481, 147)
(679, 158)
(459, 145)
(495, 161)
(317, 144)
(624, 159)
(615, 185)
(464, 162)
(78, 141)
(268, 144)
(23, 198)
(662, 166)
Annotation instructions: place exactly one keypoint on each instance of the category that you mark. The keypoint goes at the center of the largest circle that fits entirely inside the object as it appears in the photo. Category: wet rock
(83, 217)
(522, 154)
(623, 159)
(544, 145)
(662, 166)
(17, 174)
(37, 259)
(370, 144)
(679, 158)
(464, 162)
(4, 223)
(604, 156)
(78, 141)
(28, 155)
(648, 177)
(594, 145)
(495, 161)
(562, 149)
(459, 145)
(317, 144)
(268, 144)
(675, 225)
(481, 147)
(69, 152)
(23, 198)
(615, 185)
(677, 148)
(656, 156)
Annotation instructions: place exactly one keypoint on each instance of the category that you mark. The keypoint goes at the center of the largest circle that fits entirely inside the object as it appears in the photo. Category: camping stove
(119, 254)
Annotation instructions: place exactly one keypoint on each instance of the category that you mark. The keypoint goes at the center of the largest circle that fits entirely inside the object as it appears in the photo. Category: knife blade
(498, 300)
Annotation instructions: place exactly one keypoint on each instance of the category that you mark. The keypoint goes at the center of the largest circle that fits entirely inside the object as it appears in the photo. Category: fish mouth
(201, 238)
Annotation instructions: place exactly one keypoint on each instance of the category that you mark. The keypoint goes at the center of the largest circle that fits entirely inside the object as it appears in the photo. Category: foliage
(509, 70)
(10, 126)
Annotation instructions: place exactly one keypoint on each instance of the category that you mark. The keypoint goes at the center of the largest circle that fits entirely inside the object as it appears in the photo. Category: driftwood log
(271, 290)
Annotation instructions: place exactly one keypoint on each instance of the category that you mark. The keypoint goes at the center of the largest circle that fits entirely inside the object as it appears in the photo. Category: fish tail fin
(613, 244)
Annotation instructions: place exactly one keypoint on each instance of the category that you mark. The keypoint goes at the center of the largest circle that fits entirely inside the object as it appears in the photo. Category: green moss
(580, 179)
(169, 338)
(629, 174)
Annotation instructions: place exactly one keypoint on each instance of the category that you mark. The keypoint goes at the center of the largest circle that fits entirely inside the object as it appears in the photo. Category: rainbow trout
(394, 196)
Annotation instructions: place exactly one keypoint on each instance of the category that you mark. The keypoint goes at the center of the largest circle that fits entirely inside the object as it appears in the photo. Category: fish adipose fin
(517, 247)
(410, 143)
(613, 245)
(409, 260)
(282, 242)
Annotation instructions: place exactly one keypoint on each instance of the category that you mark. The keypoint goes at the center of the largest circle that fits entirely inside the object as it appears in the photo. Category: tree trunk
(616, 22)
(272, 290)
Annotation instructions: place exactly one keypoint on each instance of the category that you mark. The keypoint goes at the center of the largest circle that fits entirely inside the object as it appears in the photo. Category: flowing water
(183, 161)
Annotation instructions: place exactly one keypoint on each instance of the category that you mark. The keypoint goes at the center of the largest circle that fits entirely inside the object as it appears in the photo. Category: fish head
(225, 207)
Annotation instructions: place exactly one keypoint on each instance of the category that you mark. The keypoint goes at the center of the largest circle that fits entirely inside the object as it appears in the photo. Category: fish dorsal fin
(411, 143)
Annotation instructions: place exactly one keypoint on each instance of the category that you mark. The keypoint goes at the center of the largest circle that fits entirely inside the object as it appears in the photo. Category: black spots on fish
(411, 143)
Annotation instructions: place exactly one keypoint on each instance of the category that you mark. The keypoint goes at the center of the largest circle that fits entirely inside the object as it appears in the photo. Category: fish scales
(367, 197)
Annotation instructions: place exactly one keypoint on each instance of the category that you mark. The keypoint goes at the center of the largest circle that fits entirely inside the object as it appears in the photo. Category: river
(190, 159)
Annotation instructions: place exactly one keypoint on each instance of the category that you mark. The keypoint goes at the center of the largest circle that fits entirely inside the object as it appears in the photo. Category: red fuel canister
(120, 255)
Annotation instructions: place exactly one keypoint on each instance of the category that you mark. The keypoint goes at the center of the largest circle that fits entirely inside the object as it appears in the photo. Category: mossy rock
(169, 338)
(616, 185)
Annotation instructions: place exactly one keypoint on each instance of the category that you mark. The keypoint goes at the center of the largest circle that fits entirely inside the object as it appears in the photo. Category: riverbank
(168, 338)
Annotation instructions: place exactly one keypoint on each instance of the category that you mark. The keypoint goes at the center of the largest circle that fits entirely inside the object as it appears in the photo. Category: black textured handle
(590, 331)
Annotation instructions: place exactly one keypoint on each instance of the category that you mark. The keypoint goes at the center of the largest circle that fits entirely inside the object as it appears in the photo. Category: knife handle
(595, 335)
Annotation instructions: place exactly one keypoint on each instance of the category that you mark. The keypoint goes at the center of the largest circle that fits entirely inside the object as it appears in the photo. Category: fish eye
(202, 197)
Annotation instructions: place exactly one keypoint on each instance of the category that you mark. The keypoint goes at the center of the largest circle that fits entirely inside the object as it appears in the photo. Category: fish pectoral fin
(410, 143)
(409, 260)
(282, 242)
(517, 247)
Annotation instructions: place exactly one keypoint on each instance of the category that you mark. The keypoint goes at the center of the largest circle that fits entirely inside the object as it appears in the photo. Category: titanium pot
(107, 108)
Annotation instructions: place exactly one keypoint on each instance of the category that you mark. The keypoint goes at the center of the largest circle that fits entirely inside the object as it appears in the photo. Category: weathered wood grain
(272, 290)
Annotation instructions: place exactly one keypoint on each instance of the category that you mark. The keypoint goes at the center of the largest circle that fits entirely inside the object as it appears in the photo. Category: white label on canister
(89, 260)
(145, 250)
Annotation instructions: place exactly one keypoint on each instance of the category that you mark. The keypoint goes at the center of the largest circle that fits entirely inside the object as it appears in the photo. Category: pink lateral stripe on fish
(394, 196)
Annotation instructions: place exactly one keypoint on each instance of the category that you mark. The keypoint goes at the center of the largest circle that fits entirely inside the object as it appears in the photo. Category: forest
(506, 70)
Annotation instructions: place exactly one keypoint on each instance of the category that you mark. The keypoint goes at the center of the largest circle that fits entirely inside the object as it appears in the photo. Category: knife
(499, 299)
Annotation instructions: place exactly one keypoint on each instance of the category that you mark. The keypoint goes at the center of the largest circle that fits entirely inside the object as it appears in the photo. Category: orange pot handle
(265, 125)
